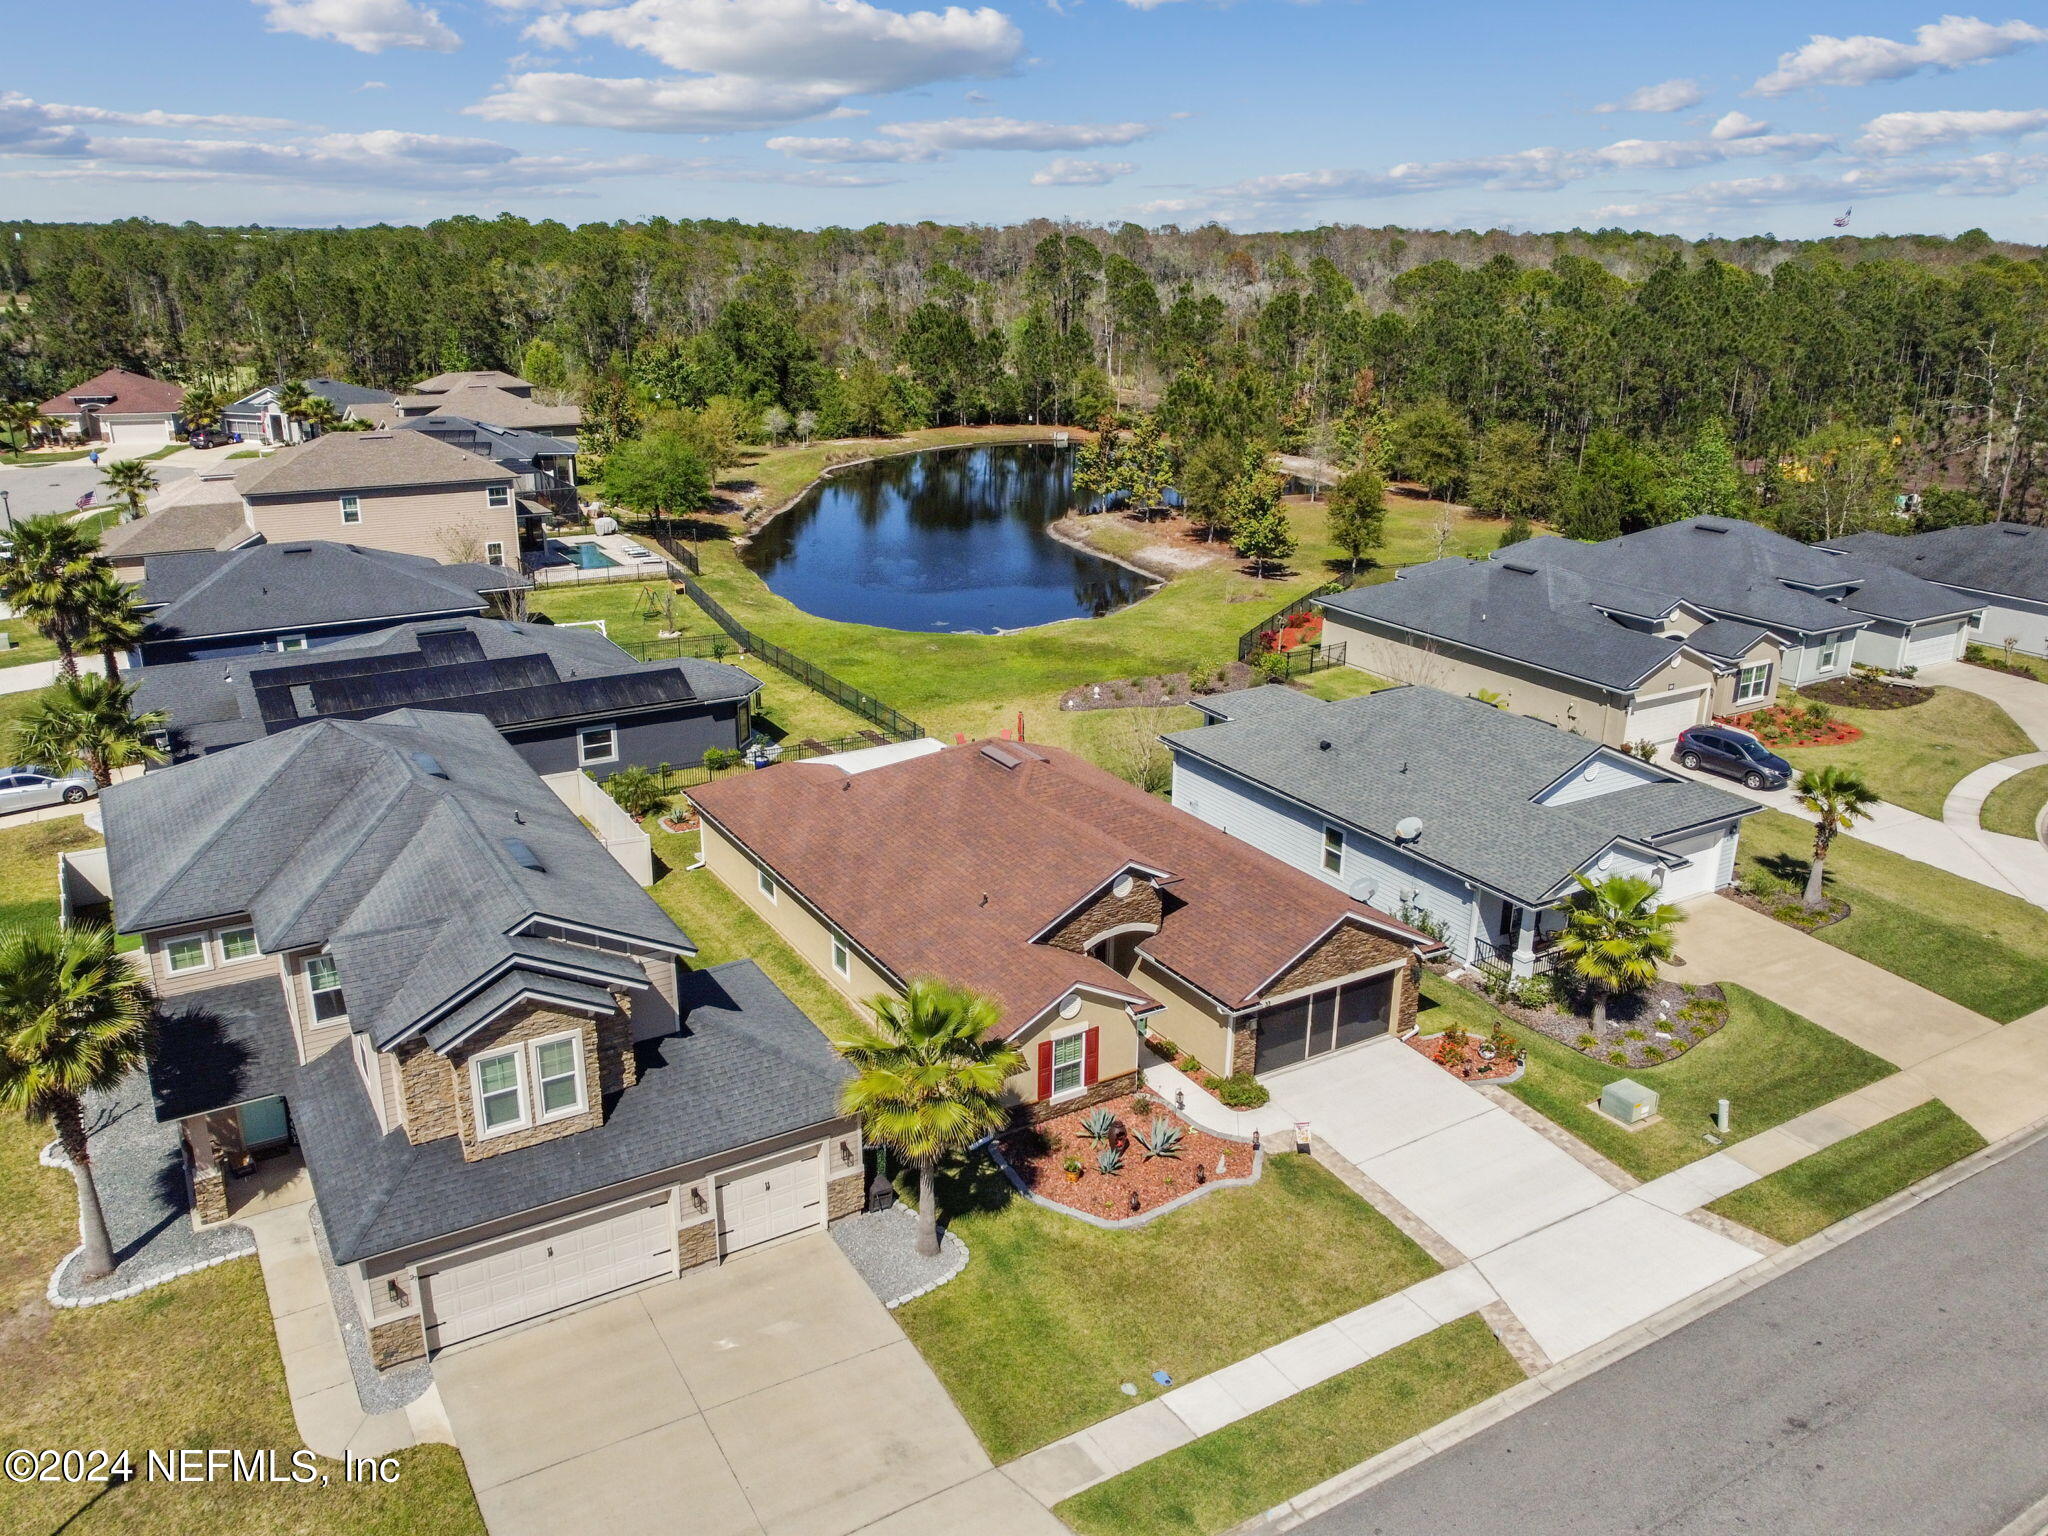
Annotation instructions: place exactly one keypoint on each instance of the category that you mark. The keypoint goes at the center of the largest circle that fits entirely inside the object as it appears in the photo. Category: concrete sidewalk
(2021, 697)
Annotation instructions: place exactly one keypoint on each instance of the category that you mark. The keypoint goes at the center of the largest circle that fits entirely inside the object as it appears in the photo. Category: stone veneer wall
(845, 1195)
(1142, 904)
(209, 1194)
(395, 1342)
(697, 1244)
(1407, 997)
(1344, 953)
(1107, 1088)
(437, 1091)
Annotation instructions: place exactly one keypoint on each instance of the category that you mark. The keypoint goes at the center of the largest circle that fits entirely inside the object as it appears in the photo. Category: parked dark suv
(1717, 749)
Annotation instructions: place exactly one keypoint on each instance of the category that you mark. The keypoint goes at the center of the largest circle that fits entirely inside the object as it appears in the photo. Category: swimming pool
(588, 556)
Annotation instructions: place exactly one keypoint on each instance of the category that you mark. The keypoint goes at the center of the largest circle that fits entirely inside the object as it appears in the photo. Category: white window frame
(520, 1121)
(288, 643)
(1333, 850)
(171, 966)
(1743, 692)
(767, 883)
(313, 993)
(842, 959)
(585, 758)
(220, 938)
(351, 511)
(543, 1115)
(1079, 1040)
(498, 497)
(1830, 653)
(1976, 619)
(494, 552)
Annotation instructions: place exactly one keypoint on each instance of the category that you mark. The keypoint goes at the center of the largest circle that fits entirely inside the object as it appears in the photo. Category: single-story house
(487, 395)
(291, 597)
(1828, 611)
(412, 492)
(119, 407)
(1616, 664)
(257, 418)
(567, 699)
(2002, 567)
(1091, 913)
(387, 948)
(1467, 821)
(545, 466)
(198, 513)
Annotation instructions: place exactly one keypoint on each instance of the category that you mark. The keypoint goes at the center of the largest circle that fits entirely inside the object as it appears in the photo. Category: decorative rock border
(995, 1153)
(59, 1292)
(952, 1251)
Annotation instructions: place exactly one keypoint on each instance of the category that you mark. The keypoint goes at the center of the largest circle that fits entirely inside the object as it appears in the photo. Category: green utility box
(1628, 1101)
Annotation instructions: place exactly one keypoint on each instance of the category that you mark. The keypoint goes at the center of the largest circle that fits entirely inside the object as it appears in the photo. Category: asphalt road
(35, 489)
(1899, 1384)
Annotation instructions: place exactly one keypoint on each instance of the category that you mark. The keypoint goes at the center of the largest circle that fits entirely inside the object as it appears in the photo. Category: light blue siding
(1294, 835)
(1603, 775)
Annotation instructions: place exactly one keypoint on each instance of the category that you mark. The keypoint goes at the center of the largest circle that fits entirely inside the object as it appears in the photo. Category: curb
(1460, 1427)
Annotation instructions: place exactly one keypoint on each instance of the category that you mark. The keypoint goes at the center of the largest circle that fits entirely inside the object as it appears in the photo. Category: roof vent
(1407, 829)
(1002, 754)
(523, 855)
(1323, 746)
(295, 549)
(1517, 567)
(429, 765)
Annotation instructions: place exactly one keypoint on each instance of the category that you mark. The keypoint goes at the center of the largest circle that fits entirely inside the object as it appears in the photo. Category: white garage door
(1662, 717)
(1708, 856)
(1931, 644)
(535, 1275)
(771, 1201)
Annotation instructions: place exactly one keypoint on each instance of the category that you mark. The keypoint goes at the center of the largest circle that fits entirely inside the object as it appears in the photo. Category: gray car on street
(26, 788)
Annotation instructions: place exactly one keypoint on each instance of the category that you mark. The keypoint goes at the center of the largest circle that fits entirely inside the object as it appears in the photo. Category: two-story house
(1465, 820)
(387, 948)
(545, 466)
(483, 394)
(409, 492)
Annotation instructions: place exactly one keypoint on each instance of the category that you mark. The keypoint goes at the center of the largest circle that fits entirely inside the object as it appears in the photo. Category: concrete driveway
(773, 1395)
(1575, 1257)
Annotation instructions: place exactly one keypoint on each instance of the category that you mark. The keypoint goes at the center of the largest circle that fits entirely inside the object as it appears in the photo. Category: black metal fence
(894, 723)
(1252, 640)
(1307, 659)
(672, 647)
(675, 549)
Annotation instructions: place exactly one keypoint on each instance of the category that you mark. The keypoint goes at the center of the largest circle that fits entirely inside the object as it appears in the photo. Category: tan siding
(654, 1011)
(217, 973)
(1724, 687)
(1116, 1046)
(1189, 1020)
(797, 924)
(445, 523)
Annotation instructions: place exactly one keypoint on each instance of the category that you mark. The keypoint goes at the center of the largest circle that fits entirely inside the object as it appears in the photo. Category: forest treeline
(1581, 377)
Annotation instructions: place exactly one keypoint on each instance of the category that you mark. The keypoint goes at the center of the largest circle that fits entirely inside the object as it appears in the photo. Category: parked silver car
(25, 788)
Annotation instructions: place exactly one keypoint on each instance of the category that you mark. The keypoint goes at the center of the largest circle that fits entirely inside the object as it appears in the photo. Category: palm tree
(22, 421)
(45, 569)
(1838, 799)
(111, 620)
(88, 722)
(293, 401)
(1615, 933)
(74, 1019)
(930, 1082)
(131, 480)
(320, 414)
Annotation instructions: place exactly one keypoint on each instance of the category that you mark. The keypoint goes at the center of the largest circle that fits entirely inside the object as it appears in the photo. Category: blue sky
(1732, 119)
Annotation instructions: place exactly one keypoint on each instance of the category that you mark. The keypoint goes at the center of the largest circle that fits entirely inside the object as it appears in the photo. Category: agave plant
(1110, 1161)
(1098, 1125)
(1161, 1139)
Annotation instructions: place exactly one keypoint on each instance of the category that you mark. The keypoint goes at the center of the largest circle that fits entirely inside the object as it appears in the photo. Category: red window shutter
(1089, 1041)
(1045, 1069)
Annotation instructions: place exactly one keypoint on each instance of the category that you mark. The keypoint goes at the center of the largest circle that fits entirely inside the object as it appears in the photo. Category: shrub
(1272, 666)
(1098, 1125)
(1655, 1053)
(1587, 1041)
(1110, 1161)
(1633, 1034)
(1535, 992)
(639, 792)
(718, 759)
(1619, 1058)
(1242, 1091)
(1162, 1138)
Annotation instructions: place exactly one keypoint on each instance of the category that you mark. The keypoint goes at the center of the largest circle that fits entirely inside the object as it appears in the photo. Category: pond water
(952, 541)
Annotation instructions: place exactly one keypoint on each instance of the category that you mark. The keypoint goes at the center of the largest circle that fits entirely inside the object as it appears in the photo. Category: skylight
(523, 855)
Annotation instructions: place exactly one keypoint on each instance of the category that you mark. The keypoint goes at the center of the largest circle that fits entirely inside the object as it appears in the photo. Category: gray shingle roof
(1727, 639)
(512, 674)
(1548, 616)
(304, 585)
(362, 461)
(747, 1066)
(226, 1045)
(2003, 559)
(389, 842)
(1470, 772)
(338, 392)
(511, 447)
(496, 406)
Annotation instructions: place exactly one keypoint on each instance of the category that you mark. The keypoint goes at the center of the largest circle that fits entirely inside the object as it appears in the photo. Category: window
(500, 1100)
(237, 944)
(323, 981)
(1830, 653)
(558, 1075)
(351, 509)
(1977, 619)
(840, 961)
(500, 496)
(1333, 850)
(1752, 683)
(494, 553)
(1067, 1054)
(766, 883)
(187, 953)
(291, 642)
(597, 744)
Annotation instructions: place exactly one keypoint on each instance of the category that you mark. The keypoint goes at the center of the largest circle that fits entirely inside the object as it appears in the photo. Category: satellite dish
(1407, 829)
(1361, 890)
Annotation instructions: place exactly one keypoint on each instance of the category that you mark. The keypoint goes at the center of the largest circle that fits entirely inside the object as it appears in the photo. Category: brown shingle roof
(495, 407)
(441, 383)
(353, 461)
(134, 394)
(952, 865)
(198, 513)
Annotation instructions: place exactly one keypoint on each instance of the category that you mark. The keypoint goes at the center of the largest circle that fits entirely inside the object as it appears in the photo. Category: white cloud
(1947, 44)
(1990, 175)
(1901, 133)
(373, 85)
(368, 26)
(1665, 96)
(57, 112)
(1012, 133)
(751, 63)
(851, 151)
(1737, 125)
(1069, 172)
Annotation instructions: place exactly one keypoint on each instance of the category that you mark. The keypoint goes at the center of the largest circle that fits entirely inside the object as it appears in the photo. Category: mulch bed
(1471, 1062)
(1039, 1153)
(1791, 911)
(1158, 691)
(1779, 727)
(1866, 693)
(1997, 664)
(1658, 1024)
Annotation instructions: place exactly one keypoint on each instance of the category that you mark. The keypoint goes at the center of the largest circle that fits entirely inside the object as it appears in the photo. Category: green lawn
(1980, 947)
(29, 460)
(1036, 1336)
(1223, 1479)
(2037, 665)
(1770, 1064)
(2014, 808)
(26, 643)
(1913, 757)
(1818, 1191)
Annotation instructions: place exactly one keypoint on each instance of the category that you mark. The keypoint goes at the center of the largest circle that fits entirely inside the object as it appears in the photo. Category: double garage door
(1305, 1027)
